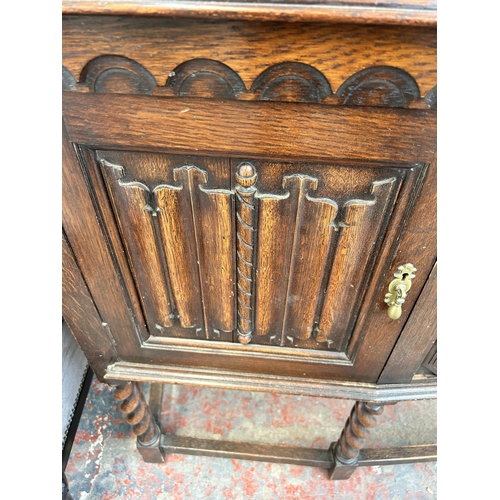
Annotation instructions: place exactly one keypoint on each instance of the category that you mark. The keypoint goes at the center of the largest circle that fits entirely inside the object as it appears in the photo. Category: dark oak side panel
(88, 243)
(82, 317)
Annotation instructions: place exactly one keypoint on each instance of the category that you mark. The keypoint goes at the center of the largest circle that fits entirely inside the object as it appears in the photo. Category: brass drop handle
(398, 288)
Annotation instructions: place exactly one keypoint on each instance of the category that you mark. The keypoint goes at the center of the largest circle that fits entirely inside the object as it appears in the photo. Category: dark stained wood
(429, 364)
(311, 228)
(82, 316)
(287, 288)
(418, 336)
(177, 228)
(300, 231)
(132, 203)
(297, 230)
(293, 454)
(252, 129)
(431, 98)
(382, 86)
(183, 270)
(68, 80)
(156, 401)
(198, 222)
(363, 223)
(237, 196)
(141, 418)
(138, 413)
(93, 171)
(413, 246)
(205, 78)
(117, 74)
(89, 245)
(420, 388)
(379, 86)
(246, 451)
(293, 82)
(397, 455)
(245, 249)
(412, 12)
(345, 451)
(249, 49)
(418, 245)
(213, 212)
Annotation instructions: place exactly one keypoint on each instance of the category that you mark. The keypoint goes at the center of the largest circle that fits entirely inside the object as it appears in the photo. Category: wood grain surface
(339, 122)
(416, 12)
(418, 335)
(251, 129)
(161, 46)
(88, 242)
(82, 317)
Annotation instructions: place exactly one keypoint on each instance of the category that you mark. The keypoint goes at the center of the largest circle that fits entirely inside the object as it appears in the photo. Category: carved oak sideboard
(249, 203)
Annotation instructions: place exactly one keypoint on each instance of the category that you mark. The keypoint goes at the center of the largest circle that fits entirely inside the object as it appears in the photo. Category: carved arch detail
(117, 74)
(205, 78)
(385, 86)
(292, 81)
(379, 86)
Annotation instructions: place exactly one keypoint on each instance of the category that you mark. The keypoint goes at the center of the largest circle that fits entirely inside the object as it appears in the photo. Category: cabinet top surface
(399, 12)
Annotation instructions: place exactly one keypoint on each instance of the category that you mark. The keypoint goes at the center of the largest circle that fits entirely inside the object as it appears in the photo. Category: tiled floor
(105, 465)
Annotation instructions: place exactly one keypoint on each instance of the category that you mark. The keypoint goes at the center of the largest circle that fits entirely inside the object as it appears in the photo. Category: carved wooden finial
(246, 175)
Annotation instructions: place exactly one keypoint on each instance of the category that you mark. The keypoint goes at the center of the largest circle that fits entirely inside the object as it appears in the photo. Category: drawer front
(251, 236)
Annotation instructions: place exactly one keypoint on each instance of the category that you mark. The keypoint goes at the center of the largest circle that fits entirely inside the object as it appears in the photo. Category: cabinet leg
(140, 417)
(346, 450)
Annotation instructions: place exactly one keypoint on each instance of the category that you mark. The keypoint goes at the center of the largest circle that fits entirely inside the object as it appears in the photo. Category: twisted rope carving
(139, 414)
(356, 430)
(245, 237)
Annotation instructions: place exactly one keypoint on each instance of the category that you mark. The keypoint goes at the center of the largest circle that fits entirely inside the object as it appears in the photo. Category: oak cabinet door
(246, 236)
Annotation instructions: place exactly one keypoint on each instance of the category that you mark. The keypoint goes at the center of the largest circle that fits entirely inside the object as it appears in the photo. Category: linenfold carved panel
(313, 291)
(250, 251)
(179, 239)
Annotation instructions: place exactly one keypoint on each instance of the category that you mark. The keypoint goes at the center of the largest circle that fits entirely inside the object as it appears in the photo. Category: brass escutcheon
(398, 288)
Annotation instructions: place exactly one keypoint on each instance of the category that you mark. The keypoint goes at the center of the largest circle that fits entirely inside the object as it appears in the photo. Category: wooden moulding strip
(413, 13)
(419, 388)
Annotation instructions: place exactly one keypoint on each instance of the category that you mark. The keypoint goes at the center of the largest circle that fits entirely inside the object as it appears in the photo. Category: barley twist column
(245, 235)
(139, 414)
(346, 450)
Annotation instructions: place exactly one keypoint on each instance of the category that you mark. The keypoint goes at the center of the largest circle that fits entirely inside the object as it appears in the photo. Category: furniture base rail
(293, 454)
(333, 458)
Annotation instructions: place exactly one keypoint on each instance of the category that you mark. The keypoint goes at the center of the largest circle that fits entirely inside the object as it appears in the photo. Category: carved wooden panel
(249, 49)
(382, 86)
(318, 233)
(277, 253)
(179, 237)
